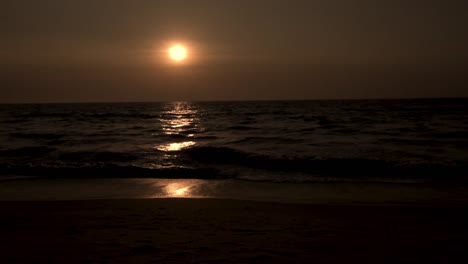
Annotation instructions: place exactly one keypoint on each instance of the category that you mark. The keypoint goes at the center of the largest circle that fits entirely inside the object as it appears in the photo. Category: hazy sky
(113, 50)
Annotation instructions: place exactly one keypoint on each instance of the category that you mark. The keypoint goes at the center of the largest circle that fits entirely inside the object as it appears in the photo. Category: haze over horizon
(113, 51)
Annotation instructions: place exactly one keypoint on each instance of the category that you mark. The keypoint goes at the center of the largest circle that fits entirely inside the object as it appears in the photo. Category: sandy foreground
(229, 231)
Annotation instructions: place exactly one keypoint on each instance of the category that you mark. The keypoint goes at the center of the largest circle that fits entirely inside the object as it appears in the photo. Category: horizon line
(237, 100)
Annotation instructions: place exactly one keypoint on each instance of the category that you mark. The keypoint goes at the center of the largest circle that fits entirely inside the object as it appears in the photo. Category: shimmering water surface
(281, 141)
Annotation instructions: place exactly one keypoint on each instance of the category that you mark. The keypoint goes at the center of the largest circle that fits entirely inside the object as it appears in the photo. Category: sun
(177, 53)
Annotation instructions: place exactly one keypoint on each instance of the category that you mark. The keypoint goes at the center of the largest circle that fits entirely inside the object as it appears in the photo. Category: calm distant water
(282, 141)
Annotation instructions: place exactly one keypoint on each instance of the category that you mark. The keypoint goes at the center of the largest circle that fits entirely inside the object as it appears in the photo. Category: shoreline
(307, 193)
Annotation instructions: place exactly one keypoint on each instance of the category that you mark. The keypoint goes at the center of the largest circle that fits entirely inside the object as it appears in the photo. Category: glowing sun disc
(177, 53)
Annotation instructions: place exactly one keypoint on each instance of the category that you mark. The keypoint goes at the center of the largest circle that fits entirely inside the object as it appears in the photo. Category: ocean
(268, 141)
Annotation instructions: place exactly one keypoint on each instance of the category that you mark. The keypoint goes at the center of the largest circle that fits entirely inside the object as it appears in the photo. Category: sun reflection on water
(182, 188)
(179, 119)
(177, 190)
(175, 146)
(176, 125)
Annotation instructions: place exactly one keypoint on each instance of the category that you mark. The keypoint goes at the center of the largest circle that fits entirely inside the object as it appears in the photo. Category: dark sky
(111, 50)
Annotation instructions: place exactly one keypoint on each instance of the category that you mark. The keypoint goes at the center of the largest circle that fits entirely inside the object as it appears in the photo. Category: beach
(179, 230)
(336, 181)
(266, 131)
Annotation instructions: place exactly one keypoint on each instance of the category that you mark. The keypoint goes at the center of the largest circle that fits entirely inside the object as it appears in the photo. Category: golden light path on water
(175, 146)
(179, 118)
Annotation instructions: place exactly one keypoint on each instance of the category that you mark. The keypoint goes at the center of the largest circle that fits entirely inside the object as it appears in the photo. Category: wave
(26, 152)
(349, 131)
(47, 154)
(47, 136)
(216, 162)
(241, 128)
(323, 174)
(97, 156)
(414, 141)
(254, 140)
(206, 137)
(452, 134)
(353, 167)
(88, 115)
(111, 171)
(14, 121)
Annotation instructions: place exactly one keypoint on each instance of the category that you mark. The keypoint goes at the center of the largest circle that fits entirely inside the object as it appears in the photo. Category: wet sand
(230, 231)
(32, 189)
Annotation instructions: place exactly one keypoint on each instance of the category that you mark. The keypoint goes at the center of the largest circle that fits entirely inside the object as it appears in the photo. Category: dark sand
(229, 231)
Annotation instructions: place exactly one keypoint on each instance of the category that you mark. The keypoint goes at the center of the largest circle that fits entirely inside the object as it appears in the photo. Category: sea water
(268, 141)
